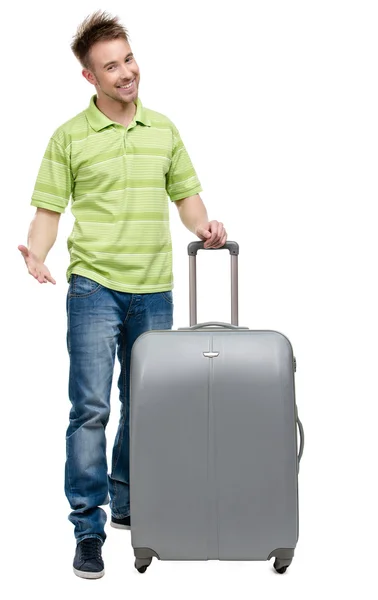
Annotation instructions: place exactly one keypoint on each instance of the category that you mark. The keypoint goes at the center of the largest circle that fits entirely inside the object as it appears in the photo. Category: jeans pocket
(168, 296)
(82, 287)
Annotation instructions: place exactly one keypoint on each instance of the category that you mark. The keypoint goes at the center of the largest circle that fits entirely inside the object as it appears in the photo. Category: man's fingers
(215, 227)
(204, 235)
(223, 239)
(42, 277)
(219, 230)
(45, 277)
(214, 233)
(216, 240)
(216, 237)
(221, 243)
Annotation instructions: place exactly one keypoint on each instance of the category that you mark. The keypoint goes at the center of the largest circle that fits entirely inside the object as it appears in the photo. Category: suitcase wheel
(282, 570)
(141, 564)
(142, 569)
(281, 565)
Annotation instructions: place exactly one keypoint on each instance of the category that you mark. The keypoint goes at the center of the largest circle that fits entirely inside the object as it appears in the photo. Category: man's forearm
(42, 232)
(192, 212)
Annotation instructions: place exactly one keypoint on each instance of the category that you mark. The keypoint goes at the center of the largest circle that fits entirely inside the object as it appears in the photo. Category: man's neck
(117, 111)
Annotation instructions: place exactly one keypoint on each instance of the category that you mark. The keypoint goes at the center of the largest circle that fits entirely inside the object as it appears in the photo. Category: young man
(117, 161)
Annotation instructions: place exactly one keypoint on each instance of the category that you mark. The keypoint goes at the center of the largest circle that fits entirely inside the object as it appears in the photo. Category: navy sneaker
(88, 562)
(120, 523)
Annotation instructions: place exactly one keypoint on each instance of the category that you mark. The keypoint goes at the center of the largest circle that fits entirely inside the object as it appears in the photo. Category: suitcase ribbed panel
(213, 467)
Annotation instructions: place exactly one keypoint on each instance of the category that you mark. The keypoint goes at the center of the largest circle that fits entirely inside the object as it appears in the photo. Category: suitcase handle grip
(193, 248)
(301, 443)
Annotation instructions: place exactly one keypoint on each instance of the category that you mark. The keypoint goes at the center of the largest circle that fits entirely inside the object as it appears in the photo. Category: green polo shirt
(118, 180)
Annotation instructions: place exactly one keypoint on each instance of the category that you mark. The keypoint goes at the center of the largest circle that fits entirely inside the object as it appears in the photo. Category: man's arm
(193, 214)
(41, 237)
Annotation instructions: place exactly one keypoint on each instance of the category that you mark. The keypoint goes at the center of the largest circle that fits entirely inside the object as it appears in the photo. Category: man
(117, 161)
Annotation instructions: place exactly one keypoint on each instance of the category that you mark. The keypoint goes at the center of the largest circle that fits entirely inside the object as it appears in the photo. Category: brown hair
(95, 28)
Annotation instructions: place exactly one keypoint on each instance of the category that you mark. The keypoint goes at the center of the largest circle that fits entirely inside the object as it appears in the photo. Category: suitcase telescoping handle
(233, 249)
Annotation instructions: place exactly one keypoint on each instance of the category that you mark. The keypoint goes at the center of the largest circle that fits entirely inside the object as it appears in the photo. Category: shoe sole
(89, 574)
(119, 526)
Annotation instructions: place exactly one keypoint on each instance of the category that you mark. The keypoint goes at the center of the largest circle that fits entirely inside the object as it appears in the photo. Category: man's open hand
(35, 266)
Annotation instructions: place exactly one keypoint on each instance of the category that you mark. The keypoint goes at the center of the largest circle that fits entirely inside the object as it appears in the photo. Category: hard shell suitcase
(213, 441)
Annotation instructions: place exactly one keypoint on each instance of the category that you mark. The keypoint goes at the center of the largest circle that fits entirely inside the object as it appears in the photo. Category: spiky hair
(97, 27)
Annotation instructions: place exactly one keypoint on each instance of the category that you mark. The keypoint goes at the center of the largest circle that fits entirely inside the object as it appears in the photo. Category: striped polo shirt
(119, 180)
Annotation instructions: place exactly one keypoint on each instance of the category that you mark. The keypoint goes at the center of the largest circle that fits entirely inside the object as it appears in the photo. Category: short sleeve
(182, 180)
(54, 182)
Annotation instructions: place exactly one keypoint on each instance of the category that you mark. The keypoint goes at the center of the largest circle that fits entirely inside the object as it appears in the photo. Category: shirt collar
(98, 120)
(141, 115)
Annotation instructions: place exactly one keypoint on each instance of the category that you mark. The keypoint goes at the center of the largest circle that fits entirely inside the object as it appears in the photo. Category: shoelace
(90, 548)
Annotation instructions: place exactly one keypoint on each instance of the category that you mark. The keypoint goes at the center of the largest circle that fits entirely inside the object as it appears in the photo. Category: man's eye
(129, 59)
(111, 67)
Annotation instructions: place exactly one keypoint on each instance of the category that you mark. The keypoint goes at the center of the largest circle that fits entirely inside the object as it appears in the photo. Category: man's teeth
(125, 87)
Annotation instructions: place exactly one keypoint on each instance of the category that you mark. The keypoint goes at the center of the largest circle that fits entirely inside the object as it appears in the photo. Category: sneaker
(88, 562)
(120, 523)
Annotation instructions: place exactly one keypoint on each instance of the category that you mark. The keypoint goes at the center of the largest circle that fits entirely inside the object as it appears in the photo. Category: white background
(276, 102)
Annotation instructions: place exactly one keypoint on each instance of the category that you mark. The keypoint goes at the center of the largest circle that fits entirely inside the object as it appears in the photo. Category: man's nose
(127, 72)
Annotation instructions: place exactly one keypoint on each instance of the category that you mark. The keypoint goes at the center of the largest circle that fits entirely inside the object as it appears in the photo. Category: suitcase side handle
(302, 439)
(193, 248)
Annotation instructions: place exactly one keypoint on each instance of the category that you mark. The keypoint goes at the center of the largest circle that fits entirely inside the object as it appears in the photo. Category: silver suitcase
(213, 441)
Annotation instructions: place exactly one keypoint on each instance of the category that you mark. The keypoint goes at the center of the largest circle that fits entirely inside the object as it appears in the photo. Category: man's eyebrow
(113, 62)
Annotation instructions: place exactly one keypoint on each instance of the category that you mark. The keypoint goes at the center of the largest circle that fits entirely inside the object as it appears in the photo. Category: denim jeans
(102, 322)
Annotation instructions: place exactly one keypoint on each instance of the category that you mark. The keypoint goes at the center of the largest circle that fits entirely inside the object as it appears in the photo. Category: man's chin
(127, 99)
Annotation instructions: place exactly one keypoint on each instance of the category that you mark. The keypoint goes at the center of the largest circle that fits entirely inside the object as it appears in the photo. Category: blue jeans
(102, 322)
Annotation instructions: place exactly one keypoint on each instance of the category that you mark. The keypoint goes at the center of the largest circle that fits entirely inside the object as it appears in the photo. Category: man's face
(114, 71)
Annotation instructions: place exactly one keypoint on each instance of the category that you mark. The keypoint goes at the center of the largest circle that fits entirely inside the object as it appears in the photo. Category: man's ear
(88, 75)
